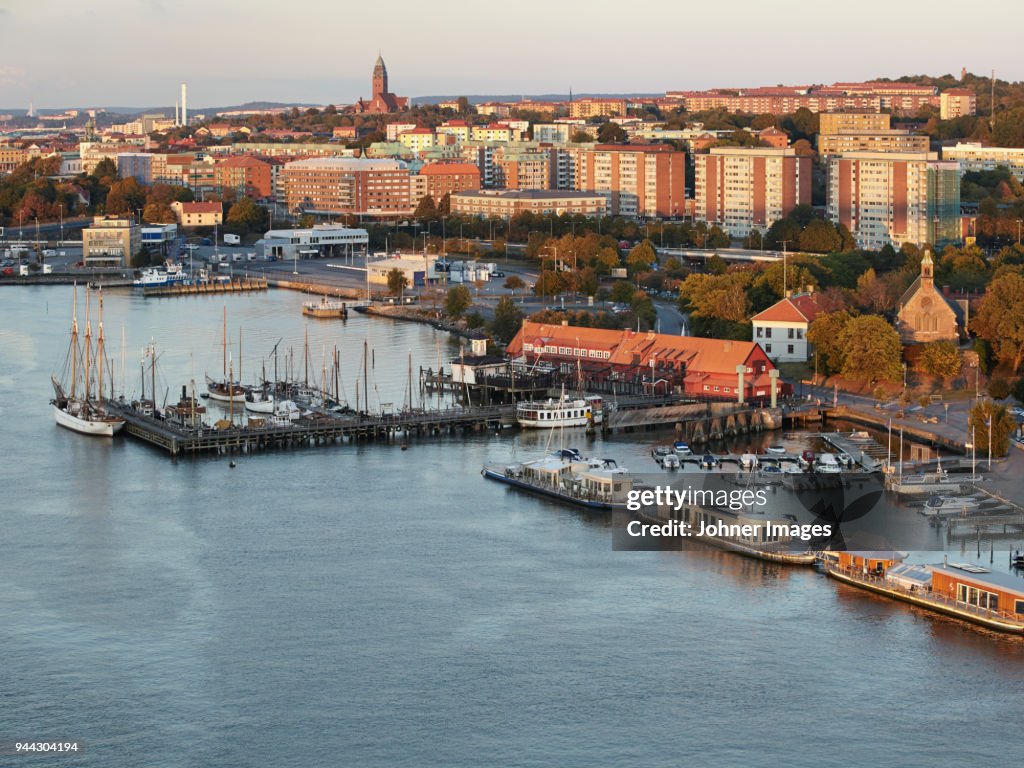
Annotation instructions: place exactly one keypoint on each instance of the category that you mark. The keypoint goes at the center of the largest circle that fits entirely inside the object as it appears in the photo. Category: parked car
(499, 273)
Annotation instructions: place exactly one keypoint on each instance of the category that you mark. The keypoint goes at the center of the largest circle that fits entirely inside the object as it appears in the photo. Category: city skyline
(224, 51)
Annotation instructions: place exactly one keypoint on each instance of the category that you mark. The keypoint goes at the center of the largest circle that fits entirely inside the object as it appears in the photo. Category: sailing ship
(227, 390)
(82, 411)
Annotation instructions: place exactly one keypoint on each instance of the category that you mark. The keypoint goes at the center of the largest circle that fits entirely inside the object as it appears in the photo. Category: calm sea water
(365, 606)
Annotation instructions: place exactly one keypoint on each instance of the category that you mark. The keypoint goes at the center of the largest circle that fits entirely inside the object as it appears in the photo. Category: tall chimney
(184, 104)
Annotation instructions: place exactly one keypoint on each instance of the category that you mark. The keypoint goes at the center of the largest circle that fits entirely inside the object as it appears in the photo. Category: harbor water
(360, 605)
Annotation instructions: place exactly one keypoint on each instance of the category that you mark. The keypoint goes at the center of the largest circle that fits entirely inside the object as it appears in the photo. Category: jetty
(237, 285)
(316, 429)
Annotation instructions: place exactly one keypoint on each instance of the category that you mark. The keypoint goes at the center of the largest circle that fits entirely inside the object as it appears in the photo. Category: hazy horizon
(135, 54)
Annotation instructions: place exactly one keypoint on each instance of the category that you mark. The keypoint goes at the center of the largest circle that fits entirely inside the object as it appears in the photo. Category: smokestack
(184, 104)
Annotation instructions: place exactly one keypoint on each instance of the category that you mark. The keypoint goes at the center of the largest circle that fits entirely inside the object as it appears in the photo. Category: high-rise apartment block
(745, 188)
(889, 198)
(845, 122)
(871, 141)
(358, 186)
(637, 179)
(957, 102)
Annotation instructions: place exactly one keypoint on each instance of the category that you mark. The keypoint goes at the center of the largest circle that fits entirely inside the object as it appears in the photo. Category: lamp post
(988, 426)
(784, 280)
(60, 241)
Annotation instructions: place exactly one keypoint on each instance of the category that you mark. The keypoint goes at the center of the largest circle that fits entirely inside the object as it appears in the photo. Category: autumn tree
(246, 216)
(514, 283)
(126, 196)
(819, 236)
(872, 349)
(986, 416)
(825, 334)
(1000, 318)
(641, 257)
(610, 133)
(941, 359)
(397, 282)
(457, 301)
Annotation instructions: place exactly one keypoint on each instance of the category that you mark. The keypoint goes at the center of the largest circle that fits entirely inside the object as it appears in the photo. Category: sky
(63, 53)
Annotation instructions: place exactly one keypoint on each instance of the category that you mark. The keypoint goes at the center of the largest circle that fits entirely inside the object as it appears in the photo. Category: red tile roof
(449, 169)
(201, 208)
(802, 308)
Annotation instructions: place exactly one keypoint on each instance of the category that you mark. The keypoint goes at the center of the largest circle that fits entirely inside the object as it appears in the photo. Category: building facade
(344, 185)
(111, 241)
(638, 179)
(894, 198)
(496, 203)
(746, 188)
(871, 141)
(845, 122)
(972, 156)
(440, 179)
(198, 214)
(957, 102)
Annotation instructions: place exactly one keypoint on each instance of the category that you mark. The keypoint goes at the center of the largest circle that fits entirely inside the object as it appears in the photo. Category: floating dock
(239, 285)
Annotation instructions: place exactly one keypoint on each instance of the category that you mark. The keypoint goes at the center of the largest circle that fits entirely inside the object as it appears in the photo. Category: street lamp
(60, 242)
(784, 281)
(988, 426)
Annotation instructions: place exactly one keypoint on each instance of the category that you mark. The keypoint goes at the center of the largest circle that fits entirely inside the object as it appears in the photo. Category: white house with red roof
(781, 330)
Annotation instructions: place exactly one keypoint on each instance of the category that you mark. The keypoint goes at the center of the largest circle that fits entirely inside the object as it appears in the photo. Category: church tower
(380, 78)
(927, 269)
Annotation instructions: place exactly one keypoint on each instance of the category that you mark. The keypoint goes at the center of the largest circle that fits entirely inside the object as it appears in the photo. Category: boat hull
(501, 477)
(261, 406)
(93, 427)
(922, 601)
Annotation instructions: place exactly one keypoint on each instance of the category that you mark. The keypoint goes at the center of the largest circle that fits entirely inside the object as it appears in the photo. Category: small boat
(326, 308)
(670, 461)
(859, 434)
(285, 412)
(259, 401)
(789, 468)
(682, 449)
(709, 461)
(827, 463)
(845, 460)
(661, 452)
(152, 277)
(806, 460)
(748, 461)
(777, 450)
(947, 506)
(590, 483)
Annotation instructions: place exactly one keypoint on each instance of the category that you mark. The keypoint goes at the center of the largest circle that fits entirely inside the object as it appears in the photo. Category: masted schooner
(226, 390)
(83, 410)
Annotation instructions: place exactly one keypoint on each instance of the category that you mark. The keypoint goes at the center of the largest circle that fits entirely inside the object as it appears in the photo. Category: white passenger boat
(560, 412)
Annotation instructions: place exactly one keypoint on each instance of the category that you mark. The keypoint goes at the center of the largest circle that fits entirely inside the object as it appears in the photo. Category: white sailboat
(84, 414)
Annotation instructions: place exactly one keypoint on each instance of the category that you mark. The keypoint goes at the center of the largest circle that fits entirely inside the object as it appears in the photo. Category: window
(767, 333)
(1019, 607)
(759, 331)
(789, 349)
(768, 348)
(791, 333)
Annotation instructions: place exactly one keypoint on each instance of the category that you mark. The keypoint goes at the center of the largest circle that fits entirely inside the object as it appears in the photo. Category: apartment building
(586, 108)
(890, 198)
(359, 186)
(440, 179)
(871, 141)
(518, 167)
(246, 175)
(637, 179)
(847, 122)
(500, 203)
(745, 188)
(198, 214)
(957, 102)
(972, 156)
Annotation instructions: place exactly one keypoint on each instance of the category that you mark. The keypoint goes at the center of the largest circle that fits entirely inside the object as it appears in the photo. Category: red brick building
(359, 186)
(704, 368)
(439, 179)
(246, 174)
(382, 101)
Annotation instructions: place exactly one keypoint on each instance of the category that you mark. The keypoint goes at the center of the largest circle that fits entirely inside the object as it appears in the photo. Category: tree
(782, 230)
(941, 358)
(514, 283)
(507, 320)
(610, 133)
(986, 415)
(641, 257)
(873, 349)
(457, 301)
(581, 137)
(463, 103)
(397, 282)
(426, 210)
(1000, 318)
(126, 196)
(825, 333)
(246, 216)
(819, 237)
(622, 292)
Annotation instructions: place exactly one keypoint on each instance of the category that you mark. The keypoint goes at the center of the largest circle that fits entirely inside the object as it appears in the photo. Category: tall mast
(74, 344)
(88, 343)
(366, 386)
(152, 373)
(239, 355)
(305, 359)
(100, 357)
(231, 393)
(224, 354)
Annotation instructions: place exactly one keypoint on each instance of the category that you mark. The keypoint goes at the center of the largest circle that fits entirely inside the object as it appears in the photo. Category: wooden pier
(238, 285)
(318, 429)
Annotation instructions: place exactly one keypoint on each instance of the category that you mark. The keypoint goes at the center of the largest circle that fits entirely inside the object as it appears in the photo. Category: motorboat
(670, 461)
(827, 463)
(709, 461)
(682, 449)
(947, 506)
(748, 461)
(776, 450)
(259, 401)
(560, 412)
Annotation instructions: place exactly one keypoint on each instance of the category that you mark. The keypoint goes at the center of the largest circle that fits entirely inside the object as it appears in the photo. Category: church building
(382, 102)
(925, 314)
